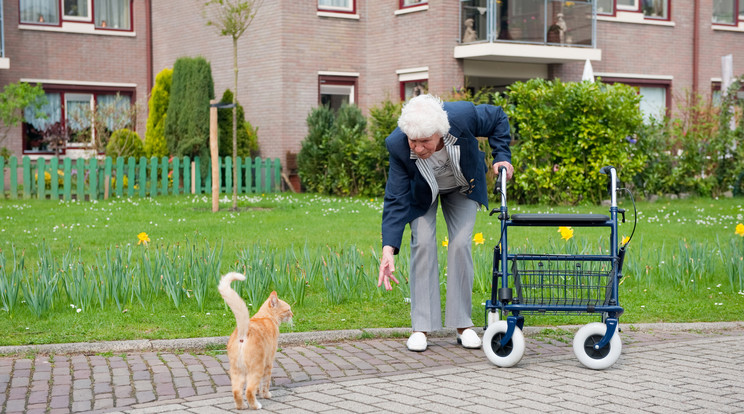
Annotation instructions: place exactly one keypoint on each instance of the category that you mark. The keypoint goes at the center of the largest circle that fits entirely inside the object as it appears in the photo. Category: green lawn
(681, 263)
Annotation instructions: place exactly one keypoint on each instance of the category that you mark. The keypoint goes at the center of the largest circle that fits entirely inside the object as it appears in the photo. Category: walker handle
(612, 184)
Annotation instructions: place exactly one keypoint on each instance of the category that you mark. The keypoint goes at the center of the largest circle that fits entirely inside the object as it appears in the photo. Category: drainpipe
(695, 45)
(148, 40)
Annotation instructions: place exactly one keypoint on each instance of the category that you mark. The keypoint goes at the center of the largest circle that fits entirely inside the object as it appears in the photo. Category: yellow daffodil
(566, 232)
(445, 243)
(143, 238)
(740, 229)
(478, 238)
(625, 241)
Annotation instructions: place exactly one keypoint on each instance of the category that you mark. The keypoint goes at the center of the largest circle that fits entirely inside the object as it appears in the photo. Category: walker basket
(577, 283)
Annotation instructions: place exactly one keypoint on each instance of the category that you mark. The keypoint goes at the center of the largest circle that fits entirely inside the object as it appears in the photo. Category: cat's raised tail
(235, 302)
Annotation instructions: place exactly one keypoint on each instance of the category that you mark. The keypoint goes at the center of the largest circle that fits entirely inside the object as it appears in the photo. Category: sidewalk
(663, 368)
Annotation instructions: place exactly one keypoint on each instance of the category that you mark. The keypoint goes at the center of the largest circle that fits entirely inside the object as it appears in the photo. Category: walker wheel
(503, 356)
(584, 346)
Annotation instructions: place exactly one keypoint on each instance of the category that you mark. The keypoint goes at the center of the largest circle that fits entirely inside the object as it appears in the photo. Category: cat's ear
(273, 299)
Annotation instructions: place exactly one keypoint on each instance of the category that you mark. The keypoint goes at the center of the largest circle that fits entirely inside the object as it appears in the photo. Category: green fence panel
(95, 179)
(54, 172)
(154, 164)
(92, 168)
(248, 175)
(197, 176)
(80, 178)
(119, 178)
(207, 184)
(228, 164)
(176, 176)
(13, 177)
(164, 176)
(108, 190)
(142, 180)
(131, 176)
(67, 180)
(26, 177)
(40, 179)
(239, 176)
(187, 175)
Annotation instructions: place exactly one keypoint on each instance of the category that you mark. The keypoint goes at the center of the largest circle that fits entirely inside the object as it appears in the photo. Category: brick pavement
(663, 368)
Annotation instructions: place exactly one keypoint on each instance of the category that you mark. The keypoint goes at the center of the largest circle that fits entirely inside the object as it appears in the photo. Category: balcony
(527, 31)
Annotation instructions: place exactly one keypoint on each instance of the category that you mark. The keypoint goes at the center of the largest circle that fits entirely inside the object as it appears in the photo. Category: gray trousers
(426, 312)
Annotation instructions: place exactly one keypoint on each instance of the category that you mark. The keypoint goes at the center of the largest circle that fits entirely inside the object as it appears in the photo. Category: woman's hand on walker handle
(387, 267)
(507, 165)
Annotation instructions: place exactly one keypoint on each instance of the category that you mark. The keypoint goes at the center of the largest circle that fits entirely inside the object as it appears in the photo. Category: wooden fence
(96, 179)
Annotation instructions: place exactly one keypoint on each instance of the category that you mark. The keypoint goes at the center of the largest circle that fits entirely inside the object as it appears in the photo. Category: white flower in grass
(78, 310)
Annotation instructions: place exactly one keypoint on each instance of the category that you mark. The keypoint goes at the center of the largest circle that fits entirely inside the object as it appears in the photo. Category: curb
(301, 338)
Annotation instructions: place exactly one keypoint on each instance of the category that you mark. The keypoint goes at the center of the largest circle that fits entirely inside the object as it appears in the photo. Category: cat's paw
(266, 394)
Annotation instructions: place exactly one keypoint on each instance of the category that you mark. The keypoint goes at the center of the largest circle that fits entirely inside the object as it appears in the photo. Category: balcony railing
(540, 22)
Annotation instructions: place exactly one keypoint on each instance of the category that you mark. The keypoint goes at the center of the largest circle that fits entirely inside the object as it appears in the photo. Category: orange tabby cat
(253, 343)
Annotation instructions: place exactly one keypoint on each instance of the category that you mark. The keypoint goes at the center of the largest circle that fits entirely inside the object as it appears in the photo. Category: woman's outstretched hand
(387, 267)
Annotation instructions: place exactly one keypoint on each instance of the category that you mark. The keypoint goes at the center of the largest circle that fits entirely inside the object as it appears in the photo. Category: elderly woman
(434, 158)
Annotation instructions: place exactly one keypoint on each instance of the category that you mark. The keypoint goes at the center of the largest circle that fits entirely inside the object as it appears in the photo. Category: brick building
(298, 54)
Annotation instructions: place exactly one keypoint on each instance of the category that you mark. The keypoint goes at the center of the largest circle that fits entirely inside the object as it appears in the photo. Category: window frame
(738, 15)
(62, 18)
(403, 83)
(402, 5)
(637, 8)
(64, 90)
(72, 18)
(331, 9)
(666, 84)
(338, 80)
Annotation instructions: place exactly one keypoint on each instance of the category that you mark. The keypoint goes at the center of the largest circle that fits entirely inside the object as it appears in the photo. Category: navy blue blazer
(407, 193)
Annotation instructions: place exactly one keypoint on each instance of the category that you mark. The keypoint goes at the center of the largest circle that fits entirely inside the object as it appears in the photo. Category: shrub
(564, 133)
(187, 118)
(312, 160)
(383, 120)
(124, 143)
(246, 135)
(155, 145)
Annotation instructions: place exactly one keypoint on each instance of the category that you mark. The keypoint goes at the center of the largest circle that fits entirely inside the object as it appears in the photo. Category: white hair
(423, 116)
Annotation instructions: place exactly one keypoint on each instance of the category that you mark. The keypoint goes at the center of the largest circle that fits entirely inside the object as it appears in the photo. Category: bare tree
(232, 18)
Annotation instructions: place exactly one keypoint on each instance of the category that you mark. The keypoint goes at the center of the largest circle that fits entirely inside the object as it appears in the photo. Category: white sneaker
(469, 339)
(417, 342)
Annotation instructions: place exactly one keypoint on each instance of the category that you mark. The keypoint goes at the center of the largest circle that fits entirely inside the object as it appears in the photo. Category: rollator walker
(555, 283)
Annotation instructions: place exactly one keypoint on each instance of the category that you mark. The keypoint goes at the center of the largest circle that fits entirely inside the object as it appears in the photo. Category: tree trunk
(235, 125)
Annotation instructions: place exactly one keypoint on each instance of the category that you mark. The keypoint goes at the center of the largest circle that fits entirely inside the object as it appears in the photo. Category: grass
(681, 264)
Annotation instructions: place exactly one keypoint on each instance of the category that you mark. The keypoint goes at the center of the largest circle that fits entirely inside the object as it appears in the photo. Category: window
(104, 14)
(653, 102)
(334, 91)
(413, 88)
(411, 3)
(656, 9)
(113, 14)
(655, 96)
(627, 5)
(345, 6)
(76, 10)
(40, 11)
(76, 119)
(727, 11)
(651, 9)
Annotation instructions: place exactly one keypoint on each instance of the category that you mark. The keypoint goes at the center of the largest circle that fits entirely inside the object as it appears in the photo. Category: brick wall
(75, 58)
